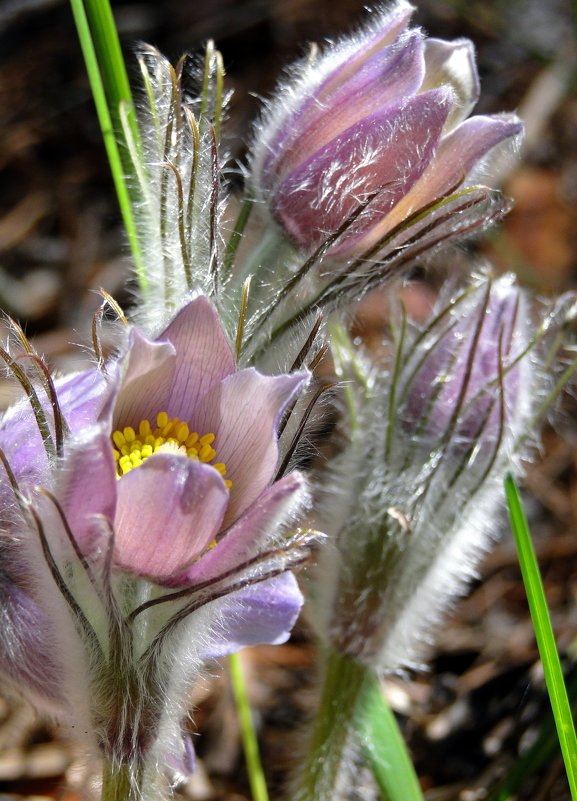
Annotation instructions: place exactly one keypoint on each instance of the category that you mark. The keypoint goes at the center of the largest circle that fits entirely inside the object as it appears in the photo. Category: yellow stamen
(161, 419)
(129, 434)
(170, 435)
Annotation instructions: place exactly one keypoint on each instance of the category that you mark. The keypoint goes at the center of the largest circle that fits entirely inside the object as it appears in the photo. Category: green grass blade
(544, 634)
(385, 748)
(110, 58)
(247, 732)
(108, 118)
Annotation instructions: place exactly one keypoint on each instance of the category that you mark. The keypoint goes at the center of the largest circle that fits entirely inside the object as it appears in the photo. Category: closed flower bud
(414, 499)
(371, 134)
(465, 381)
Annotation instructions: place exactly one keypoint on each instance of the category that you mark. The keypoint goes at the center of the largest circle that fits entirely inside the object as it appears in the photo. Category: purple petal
(460, 150)
(180, 758)
(80, 397)
(243, 412)
(264, 613)
(88, 486)
(338, 68)
(387, 152)
(245, 538)
(458, 153)
(203, 356)
(384, 33)
(169, 510)
(26, 652)
(391, 73)
(147, 373)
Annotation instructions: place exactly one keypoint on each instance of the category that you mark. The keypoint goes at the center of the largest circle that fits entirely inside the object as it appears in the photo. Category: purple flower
(372, 133)
(464, 383)
(203, 437)
(420, 483)
(163, 505)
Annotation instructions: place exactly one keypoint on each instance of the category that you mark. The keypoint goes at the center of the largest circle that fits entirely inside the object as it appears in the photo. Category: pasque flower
(371, 134)
(415, 498)
(467, 381)
(150, 544)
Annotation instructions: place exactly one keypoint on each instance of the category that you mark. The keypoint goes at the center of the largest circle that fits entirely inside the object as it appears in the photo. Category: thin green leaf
(543, 634)
(385, 748)
(110, 60)
(247, 732)
(95, 46)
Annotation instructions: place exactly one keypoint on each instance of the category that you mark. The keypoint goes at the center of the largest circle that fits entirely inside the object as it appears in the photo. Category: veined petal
(169, 510)
(393, 72)
(385, 153)
(88, 486)
(147, 373)
(243, 413)
(244, 538)
(457, 154)
(203, 356)
(263, 613)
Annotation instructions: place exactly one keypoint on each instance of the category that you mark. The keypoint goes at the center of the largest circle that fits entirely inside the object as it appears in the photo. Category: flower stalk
(120, 782)
(333, 733)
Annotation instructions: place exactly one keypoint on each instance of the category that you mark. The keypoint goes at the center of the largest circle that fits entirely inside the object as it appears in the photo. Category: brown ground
(482, 702)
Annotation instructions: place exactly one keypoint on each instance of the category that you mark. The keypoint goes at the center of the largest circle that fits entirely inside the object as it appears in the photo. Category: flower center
(131, 449)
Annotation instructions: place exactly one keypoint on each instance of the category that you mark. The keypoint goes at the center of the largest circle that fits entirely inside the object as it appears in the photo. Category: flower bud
(370, 134)
(464, 380)
(414, 499)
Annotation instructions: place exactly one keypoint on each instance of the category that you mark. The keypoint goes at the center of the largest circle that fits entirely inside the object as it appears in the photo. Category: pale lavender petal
(391, 73)
(384, 153)
(80, 397)
(147, 374)
(244, 538)
(203, 356)
(458, 153)
(243, 413)
(169, 510)
(26, 652)
(264, 613)
(87, 486)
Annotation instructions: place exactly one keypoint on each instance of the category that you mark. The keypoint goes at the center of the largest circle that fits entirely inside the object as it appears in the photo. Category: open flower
(182, 440)
(372, 133)
(157, 527)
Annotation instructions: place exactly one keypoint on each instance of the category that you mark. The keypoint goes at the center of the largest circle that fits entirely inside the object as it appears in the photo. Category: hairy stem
(343, 687)
(120, 782)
